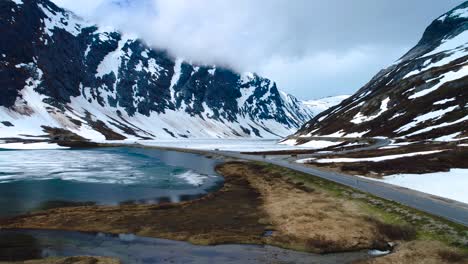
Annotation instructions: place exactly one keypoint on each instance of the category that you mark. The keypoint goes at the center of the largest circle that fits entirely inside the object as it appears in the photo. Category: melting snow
(441, 102)
(360, 118)
(241, 145)
(438, 126)
(313, 144)
(460, 13)
(37, 145)
(371, 159)
(451, 137)
(66, 21)
(451, 185)
(112, 61)
(447, 77)
(320, 105)
(319, 144)
(176, 76)
(451, 43)
(434, 115)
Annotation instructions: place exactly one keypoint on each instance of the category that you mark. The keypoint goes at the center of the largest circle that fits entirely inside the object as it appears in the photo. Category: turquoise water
(35, 179)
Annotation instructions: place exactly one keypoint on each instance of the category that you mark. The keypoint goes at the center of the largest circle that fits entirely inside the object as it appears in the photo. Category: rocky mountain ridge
(60, 73)
(422, 96)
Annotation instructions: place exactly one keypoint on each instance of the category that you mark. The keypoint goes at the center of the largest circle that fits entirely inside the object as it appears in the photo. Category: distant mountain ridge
(319, 105)
(60, 73)
(423, 96)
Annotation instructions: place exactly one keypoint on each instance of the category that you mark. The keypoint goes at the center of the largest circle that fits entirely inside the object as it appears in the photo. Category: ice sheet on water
(92, 166)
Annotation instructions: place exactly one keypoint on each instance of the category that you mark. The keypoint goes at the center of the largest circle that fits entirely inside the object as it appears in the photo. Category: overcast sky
(311, 48)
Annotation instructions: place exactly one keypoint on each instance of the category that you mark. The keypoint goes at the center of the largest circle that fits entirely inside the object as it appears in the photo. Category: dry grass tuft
(452, 256)
(396, 232)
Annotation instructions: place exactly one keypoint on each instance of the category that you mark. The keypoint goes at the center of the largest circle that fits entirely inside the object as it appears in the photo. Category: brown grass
(394, 232)
(452, 256)
(420, 252)
(310, 219)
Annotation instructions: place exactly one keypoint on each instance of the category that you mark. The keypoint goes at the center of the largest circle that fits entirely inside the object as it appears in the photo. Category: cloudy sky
(311, 48)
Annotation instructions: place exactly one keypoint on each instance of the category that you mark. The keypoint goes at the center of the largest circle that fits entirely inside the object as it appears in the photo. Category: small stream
(132, 249)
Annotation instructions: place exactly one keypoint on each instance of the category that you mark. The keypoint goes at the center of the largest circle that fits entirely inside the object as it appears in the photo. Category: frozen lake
(35, 179)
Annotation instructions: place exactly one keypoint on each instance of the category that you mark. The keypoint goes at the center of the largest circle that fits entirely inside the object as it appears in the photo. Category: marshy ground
(266, 204)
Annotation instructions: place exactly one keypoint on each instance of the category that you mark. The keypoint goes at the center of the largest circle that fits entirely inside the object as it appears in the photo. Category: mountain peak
(422, 96)
(99, 84)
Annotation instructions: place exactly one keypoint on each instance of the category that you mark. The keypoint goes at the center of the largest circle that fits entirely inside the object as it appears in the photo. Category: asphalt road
(445, 208)
(442, 207)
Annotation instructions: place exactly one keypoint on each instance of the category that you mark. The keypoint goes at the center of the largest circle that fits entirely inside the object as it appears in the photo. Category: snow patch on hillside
(451, 185)
(36, 145)
(447, 77)
(18, 2)
(320, 105)
(360, 118)
(434, 115)
(370, 159)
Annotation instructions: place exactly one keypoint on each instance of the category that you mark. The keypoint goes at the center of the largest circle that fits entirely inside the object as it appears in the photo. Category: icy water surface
(37, 179)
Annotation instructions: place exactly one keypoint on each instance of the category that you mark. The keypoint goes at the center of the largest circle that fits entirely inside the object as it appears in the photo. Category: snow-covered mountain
(62, 76)
(424, 95)
(319, 105)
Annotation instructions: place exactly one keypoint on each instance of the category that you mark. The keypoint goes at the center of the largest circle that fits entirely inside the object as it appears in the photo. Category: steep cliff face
(424, 95)
(60, 72)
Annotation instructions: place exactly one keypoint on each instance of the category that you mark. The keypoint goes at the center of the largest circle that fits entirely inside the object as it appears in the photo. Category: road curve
(442, 207)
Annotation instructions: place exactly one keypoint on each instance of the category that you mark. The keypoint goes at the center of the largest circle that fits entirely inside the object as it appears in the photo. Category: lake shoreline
(254, 225)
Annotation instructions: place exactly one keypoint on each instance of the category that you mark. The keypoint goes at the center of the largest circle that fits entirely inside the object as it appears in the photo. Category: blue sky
(311, 48)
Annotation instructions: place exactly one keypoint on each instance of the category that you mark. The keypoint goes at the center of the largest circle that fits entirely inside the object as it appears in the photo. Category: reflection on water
(40, 179)
(138, 250)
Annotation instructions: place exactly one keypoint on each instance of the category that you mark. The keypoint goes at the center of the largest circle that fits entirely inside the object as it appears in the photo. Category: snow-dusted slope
(320, 105)
(60, 74)
(424, 95)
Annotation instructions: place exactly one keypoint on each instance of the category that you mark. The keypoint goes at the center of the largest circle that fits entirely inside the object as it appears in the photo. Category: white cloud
(304, 44)
(329, 73)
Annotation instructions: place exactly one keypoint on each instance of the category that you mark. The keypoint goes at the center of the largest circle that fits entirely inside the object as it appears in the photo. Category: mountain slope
(319, 105)
(62, 75)
(424, 95)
